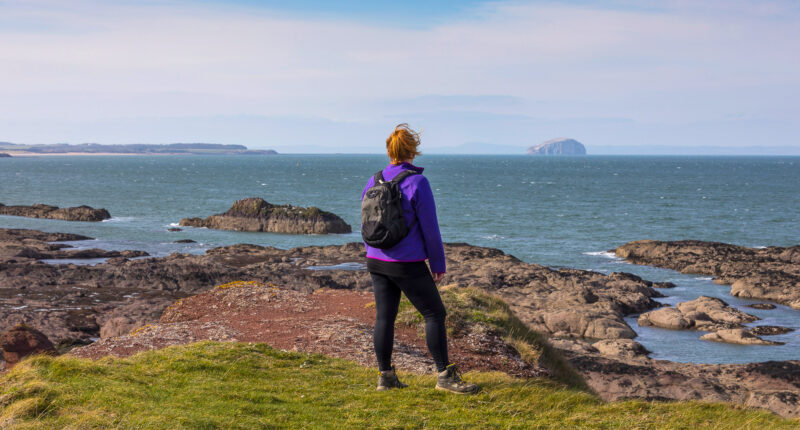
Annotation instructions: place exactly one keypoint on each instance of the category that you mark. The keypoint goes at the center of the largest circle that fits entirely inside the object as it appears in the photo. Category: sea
(554, 211)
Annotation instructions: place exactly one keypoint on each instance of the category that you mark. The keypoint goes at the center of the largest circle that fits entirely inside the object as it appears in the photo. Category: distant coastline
(65, 149)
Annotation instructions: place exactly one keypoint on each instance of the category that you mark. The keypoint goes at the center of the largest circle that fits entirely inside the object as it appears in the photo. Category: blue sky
(314, 76)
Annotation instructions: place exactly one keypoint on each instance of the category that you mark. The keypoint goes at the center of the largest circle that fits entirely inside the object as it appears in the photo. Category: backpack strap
(379, 177)
(402, 175)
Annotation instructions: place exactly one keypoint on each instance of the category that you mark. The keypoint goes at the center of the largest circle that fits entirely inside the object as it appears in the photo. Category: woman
(402, 268)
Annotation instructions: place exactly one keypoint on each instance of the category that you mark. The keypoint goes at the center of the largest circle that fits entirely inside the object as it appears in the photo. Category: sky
(474, 76)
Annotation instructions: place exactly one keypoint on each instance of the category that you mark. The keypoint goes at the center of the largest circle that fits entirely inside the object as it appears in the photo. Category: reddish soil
(337, 323)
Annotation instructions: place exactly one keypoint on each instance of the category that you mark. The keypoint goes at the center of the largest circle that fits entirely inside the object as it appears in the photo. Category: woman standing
(401, 267)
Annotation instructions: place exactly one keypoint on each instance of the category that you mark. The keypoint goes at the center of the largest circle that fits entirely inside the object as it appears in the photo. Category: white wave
(760, 247)
(119, 219)
(704, 278)
(174, 224)
(493, 237)
(607, 254)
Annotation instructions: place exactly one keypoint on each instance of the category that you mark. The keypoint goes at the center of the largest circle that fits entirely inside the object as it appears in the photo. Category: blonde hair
(402, 144)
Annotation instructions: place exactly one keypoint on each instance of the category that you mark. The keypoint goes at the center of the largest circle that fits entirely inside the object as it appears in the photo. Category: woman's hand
(437, 277)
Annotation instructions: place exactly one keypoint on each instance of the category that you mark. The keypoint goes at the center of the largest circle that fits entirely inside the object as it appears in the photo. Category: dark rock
(255, 214)
(80, 213)
(769, 330)
(762, 306)
(174, 229)
(21, 341)
(185, 241)
(4, 155)
(560, 146)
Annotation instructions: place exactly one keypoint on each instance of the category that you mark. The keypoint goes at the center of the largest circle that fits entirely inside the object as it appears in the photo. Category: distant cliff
(560, 146)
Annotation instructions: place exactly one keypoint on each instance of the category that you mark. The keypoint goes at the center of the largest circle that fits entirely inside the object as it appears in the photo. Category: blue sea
(555, 211)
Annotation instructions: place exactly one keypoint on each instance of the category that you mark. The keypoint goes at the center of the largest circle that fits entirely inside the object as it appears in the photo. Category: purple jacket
(424, 240)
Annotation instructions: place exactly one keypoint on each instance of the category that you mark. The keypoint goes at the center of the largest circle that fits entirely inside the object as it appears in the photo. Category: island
(559, 146)
(136, 148)
(4, 155)
(256, 214)
(79, 213)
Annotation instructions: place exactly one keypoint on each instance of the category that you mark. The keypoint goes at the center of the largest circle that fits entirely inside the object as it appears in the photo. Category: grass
(468, 306)
(237, 385)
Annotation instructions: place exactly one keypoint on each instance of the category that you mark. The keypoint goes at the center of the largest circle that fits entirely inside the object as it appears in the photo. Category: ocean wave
(119, 219)
(607, 254)
(704, 278)
(493, 237)
(174, 224)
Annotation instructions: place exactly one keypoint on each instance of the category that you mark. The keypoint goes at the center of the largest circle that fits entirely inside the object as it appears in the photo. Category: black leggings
(425, 297)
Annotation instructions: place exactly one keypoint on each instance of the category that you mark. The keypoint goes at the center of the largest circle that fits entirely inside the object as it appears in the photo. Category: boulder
(704, 313)
(255, 214)
(762, 306)
(621, 348)
(738, 336)
(21, 341)
(560, 146)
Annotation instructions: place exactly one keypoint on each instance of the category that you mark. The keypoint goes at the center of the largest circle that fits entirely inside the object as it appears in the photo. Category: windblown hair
(402, 144)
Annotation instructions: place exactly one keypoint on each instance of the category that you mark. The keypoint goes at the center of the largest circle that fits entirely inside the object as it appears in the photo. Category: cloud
(662, 62)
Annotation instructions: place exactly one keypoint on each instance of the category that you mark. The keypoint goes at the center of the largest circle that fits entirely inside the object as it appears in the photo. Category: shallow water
(553, 211)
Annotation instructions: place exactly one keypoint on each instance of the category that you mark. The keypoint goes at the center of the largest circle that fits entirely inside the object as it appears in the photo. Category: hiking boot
(450, 380)
(387, 379)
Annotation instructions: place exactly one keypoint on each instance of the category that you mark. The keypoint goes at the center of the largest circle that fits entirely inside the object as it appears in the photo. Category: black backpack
(382, 222)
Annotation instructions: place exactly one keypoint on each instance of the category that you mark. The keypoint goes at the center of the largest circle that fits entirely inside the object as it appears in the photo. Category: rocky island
(560, 146)
(255, 214)
(771, 273)
(79, 213)
(4, 155)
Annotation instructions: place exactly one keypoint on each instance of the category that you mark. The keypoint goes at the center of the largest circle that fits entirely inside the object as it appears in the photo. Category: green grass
(238, 385)
(468, 306)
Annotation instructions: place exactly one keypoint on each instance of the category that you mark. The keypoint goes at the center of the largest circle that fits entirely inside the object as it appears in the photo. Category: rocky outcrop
(560, 146)
(565, 302)
(738, 336)
(621, 348)
(772, 385)
(80, 213)
(255, 214)
(771, 273)
(4, 155)
(21, 341)
(703, 313)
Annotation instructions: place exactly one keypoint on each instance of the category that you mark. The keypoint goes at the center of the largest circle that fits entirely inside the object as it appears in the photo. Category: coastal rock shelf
(257, 215)
(79, 213)
(73, 304)
(771, 273)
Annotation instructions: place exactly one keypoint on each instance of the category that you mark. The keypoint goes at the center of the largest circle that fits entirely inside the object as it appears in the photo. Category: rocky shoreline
(75, 304)
(79, 213)
(771, 273)
(257, 215)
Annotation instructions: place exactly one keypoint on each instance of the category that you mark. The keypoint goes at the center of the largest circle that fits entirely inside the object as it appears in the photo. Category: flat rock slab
(257, 215)
(771, 273)
(704, 314)
(79, 213)
(737, 336)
